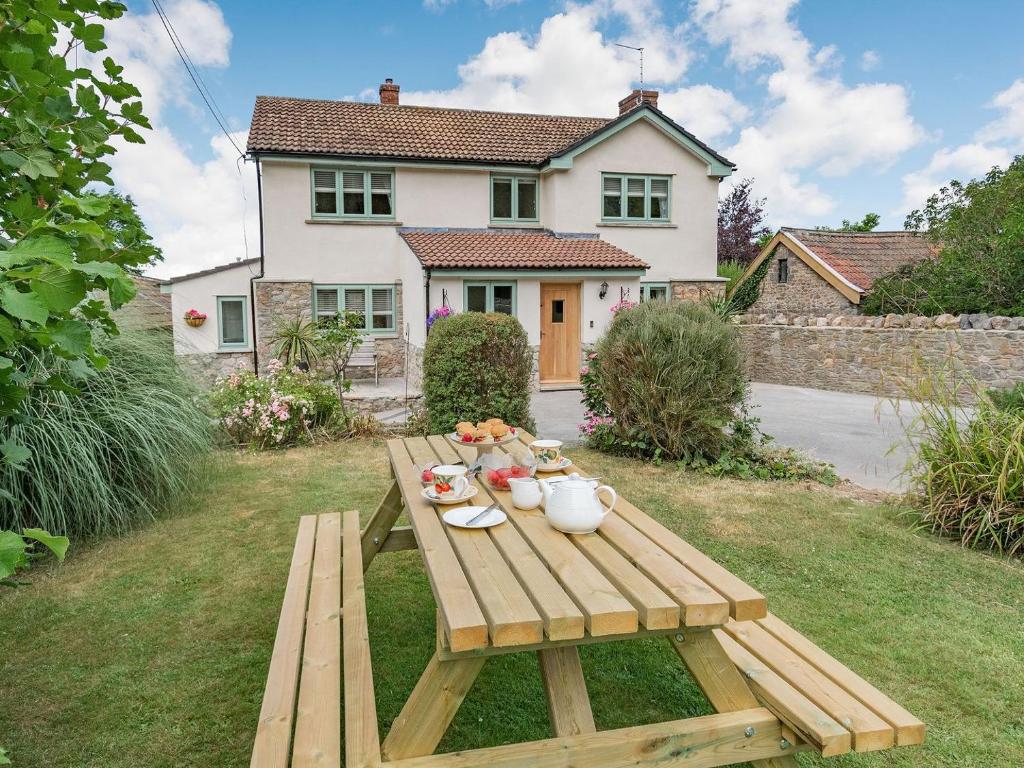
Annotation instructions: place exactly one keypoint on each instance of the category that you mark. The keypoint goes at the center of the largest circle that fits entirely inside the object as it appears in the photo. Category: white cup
(452, 475)
(526, 493)
(548, 452)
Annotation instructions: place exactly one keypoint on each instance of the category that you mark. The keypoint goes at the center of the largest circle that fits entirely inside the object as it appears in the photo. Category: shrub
(283, 408)
(744, 293)
(1008, 399)
(477, 366)
(130, 442)
(731, 271)
(968, 469)
(671, 376)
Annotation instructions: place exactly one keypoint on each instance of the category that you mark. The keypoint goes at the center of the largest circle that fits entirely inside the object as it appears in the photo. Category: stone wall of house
(696, 290)
(806, 292)
(207, 368)
(881, 355)
(277, 300)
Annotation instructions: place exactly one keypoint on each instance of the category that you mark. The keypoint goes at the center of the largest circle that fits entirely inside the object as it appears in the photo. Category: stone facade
(805, 293)
(276, 300)
(864, 355)
(696, 290)
(207, 368)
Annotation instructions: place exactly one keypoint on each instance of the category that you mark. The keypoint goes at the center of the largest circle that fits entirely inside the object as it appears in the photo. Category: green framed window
(514, 198)
(635, 198)
(350, 194)
(375, 304)
(232, 322)
(489, 296)
(653, 291)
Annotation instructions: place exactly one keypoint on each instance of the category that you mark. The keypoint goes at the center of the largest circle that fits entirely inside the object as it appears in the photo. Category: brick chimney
(389, 92)
(634, 100)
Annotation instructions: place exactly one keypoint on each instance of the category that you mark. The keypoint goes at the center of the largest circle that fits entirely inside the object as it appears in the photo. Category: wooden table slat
(464, 621)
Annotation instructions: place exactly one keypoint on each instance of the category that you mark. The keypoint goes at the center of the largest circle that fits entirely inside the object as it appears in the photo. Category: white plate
(460, 516)
(563, 464)
(454, 437)
(430, 494)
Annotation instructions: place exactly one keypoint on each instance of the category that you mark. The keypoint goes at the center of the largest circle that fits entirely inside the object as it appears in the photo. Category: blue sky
(835, 107)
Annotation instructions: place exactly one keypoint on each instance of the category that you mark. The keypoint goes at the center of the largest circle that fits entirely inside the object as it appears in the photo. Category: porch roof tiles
(515, 249)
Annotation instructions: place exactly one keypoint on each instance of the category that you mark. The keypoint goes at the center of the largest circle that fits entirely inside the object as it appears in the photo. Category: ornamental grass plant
(130, 443)
(967, 473)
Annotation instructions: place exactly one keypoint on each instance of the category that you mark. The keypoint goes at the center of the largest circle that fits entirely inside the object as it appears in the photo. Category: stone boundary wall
(867, 355)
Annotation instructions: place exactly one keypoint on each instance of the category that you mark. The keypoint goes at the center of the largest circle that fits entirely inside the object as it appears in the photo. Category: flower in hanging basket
(195, 318)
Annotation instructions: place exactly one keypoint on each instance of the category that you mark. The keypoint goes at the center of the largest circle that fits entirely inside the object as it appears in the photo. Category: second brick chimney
(389, 92)
(634, 100)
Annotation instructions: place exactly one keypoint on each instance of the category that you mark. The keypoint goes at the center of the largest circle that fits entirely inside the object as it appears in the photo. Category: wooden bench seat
(827, 704)
(303, 695)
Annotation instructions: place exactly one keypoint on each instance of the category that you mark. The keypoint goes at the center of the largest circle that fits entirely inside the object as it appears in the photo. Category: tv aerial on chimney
(640, 96)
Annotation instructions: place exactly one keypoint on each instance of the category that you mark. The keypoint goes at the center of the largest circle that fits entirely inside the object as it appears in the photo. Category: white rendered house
(390, 211)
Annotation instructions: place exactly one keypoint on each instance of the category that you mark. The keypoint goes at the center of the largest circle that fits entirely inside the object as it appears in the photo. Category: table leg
(421, 724)
(721, 682)
(381, 523)
(568, 701)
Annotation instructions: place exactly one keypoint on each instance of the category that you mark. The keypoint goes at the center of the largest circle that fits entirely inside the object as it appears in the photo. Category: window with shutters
(514, 199)
(372, 305)
(351, 194)
(635, 198)
(232, 322)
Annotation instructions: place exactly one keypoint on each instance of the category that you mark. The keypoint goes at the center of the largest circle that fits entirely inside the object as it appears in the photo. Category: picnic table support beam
(381, 523)
(428, 712)
(566, 690)
(722, 683)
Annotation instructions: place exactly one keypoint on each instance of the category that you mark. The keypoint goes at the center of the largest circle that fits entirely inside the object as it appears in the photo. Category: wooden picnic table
(523, 586)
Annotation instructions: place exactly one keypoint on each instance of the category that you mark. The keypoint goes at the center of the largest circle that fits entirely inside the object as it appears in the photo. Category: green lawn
(152, 650)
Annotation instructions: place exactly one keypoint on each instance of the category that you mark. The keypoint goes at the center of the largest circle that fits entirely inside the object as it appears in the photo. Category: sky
(833, 107)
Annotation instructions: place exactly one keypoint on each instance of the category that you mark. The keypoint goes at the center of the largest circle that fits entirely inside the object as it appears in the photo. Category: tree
(336, 339)
(741, 229)
(60, 245)
(867, 224)
(130, 234)
(978, 228)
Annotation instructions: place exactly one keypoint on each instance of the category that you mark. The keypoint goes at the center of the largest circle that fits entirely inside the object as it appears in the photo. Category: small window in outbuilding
(783, 270)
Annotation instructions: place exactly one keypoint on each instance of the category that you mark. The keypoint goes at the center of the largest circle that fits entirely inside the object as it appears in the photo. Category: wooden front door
(559, 333)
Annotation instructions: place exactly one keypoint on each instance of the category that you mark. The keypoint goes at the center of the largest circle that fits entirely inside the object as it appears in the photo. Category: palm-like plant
(295, 341)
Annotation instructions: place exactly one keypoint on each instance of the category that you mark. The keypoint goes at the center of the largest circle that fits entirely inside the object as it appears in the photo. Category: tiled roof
(213, 270)
(514, 249)
(149, 310)
(347, 128)
(861, 257)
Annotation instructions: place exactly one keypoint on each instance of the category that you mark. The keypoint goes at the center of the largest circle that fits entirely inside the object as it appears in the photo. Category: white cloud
(194, 209)
(814, 122)
(995, 143)
(870, 60)
(705, 111)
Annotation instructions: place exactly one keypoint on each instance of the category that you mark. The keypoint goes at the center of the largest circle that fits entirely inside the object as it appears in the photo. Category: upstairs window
(374, 304)
(353, 194)
(783, 270)
(514, 199)
(232, 325)
(634, 198)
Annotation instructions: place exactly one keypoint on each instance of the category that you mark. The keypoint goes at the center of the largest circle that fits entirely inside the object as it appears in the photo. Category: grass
(152, 650)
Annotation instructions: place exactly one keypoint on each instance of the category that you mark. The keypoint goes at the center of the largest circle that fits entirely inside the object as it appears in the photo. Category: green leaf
(44, 247)
(4, 760)
(56, 544)
(72, 336)
(24, 306)
(104, 269)
(12, 553)
(14, 453)
(37, 163)
(121, 291)
(91, 205)
(60, 289)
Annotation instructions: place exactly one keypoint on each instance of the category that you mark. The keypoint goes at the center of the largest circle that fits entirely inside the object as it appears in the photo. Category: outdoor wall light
(604, 290)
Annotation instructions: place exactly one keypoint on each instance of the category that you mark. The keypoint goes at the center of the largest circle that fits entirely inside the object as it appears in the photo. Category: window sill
(232, 350)
(515, 225)
(647, 224)
(361, 222)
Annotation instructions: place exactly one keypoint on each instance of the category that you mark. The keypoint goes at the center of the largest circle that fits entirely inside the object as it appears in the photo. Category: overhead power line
(193, 73)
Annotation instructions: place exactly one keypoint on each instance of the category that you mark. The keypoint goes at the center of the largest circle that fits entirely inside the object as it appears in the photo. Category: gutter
(254, 278)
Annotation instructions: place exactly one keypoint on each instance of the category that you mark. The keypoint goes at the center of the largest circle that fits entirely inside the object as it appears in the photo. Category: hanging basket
(195, 322)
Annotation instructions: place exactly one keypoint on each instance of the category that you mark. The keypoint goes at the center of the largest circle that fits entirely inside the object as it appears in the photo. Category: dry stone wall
(880, 355)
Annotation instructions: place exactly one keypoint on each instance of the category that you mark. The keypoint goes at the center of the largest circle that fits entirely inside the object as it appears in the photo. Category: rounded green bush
(477, 366)
(672, 378)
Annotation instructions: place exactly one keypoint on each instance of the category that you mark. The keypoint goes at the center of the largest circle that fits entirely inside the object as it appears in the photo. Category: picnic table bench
(523, 586)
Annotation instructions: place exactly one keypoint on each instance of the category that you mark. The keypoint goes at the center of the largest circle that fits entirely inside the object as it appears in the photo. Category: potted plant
(195, 318)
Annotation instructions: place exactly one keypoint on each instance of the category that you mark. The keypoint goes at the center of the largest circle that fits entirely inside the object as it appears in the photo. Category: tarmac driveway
(860, 434)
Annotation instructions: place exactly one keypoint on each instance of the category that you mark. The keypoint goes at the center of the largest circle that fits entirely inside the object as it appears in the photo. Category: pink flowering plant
(284, 407)
(439, 313)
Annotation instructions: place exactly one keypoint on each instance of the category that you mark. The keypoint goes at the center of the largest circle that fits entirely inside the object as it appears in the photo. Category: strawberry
(520, 471)
(467, 438)
(427, 476)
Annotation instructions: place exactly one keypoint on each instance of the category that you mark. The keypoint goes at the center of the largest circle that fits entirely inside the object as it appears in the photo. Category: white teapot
(573, 506)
